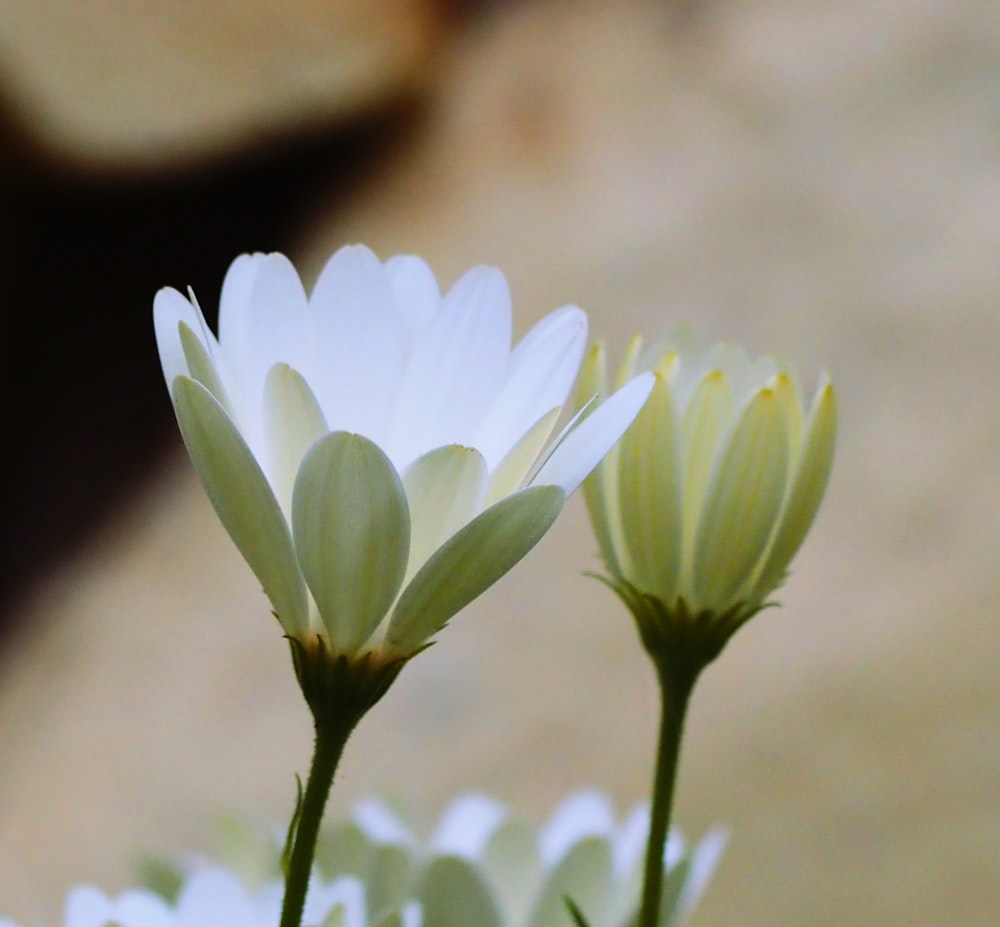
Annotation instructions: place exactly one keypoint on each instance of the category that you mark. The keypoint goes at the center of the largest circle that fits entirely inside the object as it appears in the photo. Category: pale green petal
(445, 489)
(629, 365)
(787, 391)
(742, 503)
(510, 473)
(200, 364)
(351, 526)
(293, 421)
(600, 489)
(703, 426)
(454, 894)
(471, 562)
(243, 500)
(585, 875)
(649, 489)
(388, 877)
(808, 485)
(512, 865)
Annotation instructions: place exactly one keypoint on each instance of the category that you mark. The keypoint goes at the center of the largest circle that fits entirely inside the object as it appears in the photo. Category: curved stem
(331, 738)
(676, 684)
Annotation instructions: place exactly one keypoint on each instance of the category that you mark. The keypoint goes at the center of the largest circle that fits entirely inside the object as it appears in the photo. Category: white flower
(373, 449)
(495, 871)
(212, 897)
(712, 490)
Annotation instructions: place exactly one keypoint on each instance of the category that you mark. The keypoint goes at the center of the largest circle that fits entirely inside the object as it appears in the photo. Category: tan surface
(819, 180)
(139, 83)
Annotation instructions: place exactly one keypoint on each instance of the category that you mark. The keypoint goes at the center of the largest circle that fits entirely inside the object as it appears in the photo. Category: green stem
(331, 738)
(676, 683)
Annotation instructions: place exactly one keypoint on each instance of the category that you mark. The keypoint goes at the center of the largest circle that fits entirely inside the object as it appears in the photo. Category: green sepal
(339, 687)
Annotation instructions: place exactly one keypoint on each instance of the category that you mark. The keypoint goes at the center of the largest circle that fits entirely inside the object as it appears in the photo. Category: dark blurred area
(88, 236)
(84, 411)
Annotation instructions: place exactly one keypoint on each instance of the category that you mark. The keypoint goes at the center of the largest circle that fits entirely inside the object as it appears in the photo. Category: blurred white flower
(214, 897)
(375, 449)
(486, 868)
(712, 490)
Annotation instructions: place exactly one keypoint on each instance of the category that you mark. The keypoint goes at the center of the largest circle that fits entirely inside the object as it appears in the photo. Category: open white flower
(486, 867)
(712, 490)
(373, 449)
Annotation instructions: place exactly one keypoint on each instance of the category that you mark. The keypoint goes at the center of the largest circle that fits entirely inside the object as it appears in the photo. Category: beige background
(818, 180)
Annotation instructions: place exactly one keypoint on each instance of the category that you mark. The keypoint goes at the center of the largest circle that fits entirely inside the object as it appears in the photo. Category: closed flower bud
(701, 507)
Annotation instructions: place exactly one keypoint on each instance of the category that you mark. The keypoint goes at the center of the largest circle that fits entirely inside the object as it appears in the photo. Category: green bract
(705, 501)
(373, 449)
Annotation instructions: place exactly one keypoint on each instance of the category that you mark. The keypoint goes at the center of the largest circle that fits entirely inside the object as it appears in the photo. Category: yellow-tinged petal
(649, 489)
(808, 485)
(445, 490)
(742, 502)
(703, 425)
(628, 367)
(351, 526)
(600, 489)
(469, 563)
(243, 500)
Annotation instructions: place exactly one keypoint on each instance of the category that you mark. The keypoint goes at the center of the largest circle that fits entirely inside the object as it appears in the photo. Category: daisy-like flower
(709, 495)
(211, 897)
(485, 867)
(375, 449)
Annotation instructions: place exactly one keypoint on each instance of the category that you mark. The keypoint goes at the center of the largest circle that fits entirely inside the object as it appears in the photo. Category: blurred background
(819, 180)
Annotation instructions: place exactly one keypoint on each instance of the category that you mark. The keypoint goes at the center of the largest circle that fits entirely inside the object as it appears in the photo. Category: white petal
(630, 841)
(243, 500)
(363, 342)
(704, 860)
(274, 328)
(470, 562)
(582, 449)
(584, 814)
(457, 368)
(293, 421)
(87, 907)
(445, 489)
(170, 308)
(543, 367)
(467, 825)
(351, 527)
(416, 289)
(234, 301)
(381, 823)
(346, 893)
(214, 896)
(742, 502)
